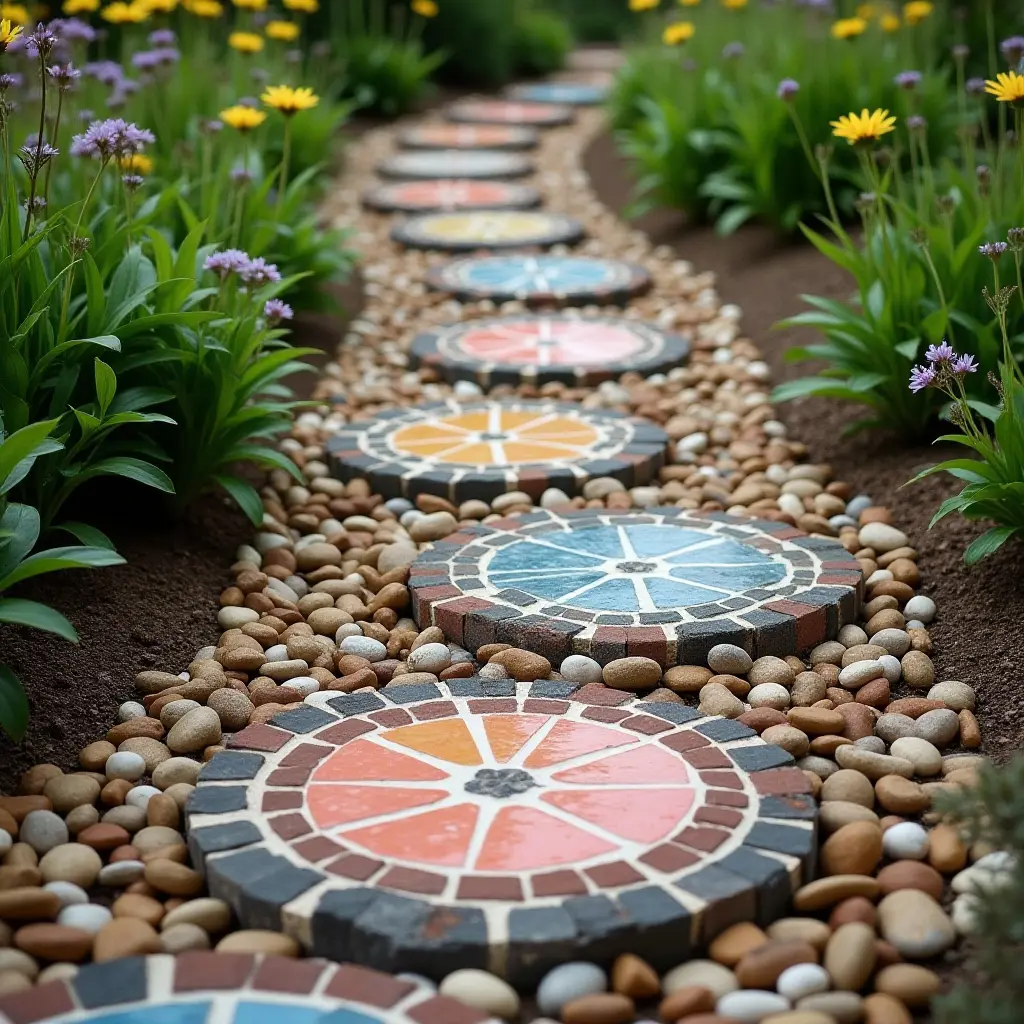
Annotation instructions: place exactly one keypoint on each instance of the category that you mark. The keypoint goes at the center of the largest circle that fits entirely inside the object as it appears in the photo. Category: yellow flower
(643, 5)
(15, 13)
(207, 8)
(866, 11)
(734, 5)
(8, 32)
(867, 126)
(889, 22)
(246, 42)
(243, 119)
(689, 3)
(251, 5)
(120, 13)
(136, 163)
(848, 28)
(1007, 88)
(285, 31)
(424, 8)
(288, 100)
(161, 6)
(304, 6)
(80, 6)
(678, 32)
(917, 10)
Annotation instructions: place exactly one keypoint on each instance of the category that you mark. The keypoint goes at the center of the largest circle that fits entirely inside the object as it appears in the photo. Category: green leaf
(245, 495)
(21, 524)
(908, 348)
(55, 559)
(13, 703)
(988, 542)
(733, 218)
(88, 535)
(132, 469)
(106, 385)
(18, 612)
(22, 444)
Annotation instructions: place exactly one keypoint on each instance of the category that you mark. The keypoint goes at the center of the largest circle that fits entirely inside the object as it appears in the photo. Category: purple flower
(132, 181)
(162, 37)
(922, 377)
(963, 365)
(64, 74)
(212, 126)
(908, 80)
(787, 89)
(733, 51)
(37, 204)
(1013, 49)
(916, 123)
(275, 311)
(940, 353)
(40, 41)
(108, 72)
(113, 137)
(227, 262)
(145, 59)
(35, 155)
(259, 272)
(249, 101)
(993, 250)
(961, 51)
(73, 30)
(975, 86)
(10, 80)
(240, 176)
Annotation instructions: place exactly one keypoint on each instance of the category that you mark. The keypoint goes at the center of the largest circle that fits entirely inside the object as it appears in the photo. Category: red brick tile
(290, 826)
(614, 875)
(427, 883)
(317, 848)
(721, 780)
(647, 725)
(810, 621)
(780, 781)
(668, 858)
(345, 731)
(391, 718)
(597, 693)
(683, 741)
(707, 840)
(367, 986)
(726, 799)
(718, 816)
(306, 755)
(289, 776)
(490, 887)
(609, 715)
(544, 706)
(260, 737)
(37, 1004)
(494, 706)
(435, 709)
(647, 642)
(288, 974)
(355, 866)
(196, 972)
(707, 757)
(451, 616)
(281, 800)
(558, 883)
(442, 1010)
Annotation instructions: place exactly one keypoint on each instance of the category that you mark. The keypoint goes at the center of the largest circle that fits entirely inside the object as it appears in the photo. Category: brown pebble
(685, 1002)
(913, 707)
(7, 823)
(900, 795)
(162, 810)
(970, 730)
(174, 879)
(911, 984)
(600, 1008)
(732, 945)
(34, 781)
(94, 756)
(144, 908)
(28, 903)
(125, 936)
(880, 1008)
(762, 718)
(853, 849)
(54, 942)
(947, 852)
(104, 836)
(910, 874)
(19, 806)
(761, 967)
(856, 908)
(631, 976)
(114, 792)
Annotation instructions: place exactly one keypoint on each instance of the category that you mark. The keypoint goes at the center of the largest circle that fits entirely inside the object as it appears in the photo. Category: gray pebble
(492, 670)
(821, 766)
(398, 506)
(365, 646)
(857, 504)
(836, 522)
(86, 917)
(940, 727)
(893, 727)
(873, 743)
(729, 659)
(578, 668)
(125, 765)
(852, 636)
(913, 624)
(567, 982)
(121, 873)
(43, 830)
(954, 694)
(891, 668)
(921, 608)
(131, 709)
(895, 641)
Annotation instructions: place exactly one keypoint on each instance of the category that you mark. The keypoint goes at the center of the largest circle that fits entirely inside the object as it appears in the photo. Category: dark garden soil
(981, 610)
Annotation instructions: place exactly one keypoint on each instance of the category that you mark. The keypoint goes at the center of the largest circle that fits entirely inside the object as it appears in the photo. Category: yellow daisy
(80, 6)
(734, 5)
(251, 5)
(867, 126)
(643, 5)
(124, 14)
(17, 14)
(289, 101)
(136, 163)
(284, 31)
(242, 118)
(889, 22)
(207, 8)
(303, 6)
(246, 42)
(917, 10)
(424, 8)
(678, 32)
(1007, 88)
(8, 32)
(848, 28)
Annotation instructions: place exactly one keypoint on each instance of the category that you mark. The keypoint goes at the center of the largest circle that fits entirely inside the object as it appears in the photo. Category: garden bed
(982, 606)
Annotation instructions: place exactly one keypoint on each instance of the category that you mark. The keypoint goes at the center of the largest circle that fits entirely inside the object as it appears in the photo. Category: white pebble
(131, 709)
(430, 658)
(803, 980)
(279, 652)
(125, 765)
(346, 630)
(304, 684)
(578, 668)
(121, 873)
(140, 796)
(891, 668)
(921, 608)
(234, 618)
(68, 893)
(567, 982)
(86, 917)
(6, 842)
(751, 1005)
(905, 841)
(365, 646)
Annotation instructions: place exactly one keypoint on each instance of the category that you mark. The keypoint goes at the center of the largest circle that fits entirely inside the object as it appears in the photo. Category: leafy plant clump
(543, 41)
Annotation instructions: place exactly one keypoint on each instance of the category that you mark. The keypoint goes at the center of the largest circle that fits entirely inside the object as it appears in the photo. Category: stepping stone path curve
(538, 280)
(232, 988)
(570, 93)
(456, 163)
(501, 229)
(667, 584)
(500, 825)
(487, 448)
(468, 136)
(540, 349)
(450, 194)
(540, 115)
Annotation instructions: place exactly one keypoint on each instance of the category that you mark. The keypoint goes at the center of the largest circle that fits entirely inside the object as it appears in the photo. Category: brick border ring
(500, 229)
(541, 279)
(469, 136)
(538, 349)
(573, 94)
(450, 194)
(665, 583)
(412, 828)
(538, 115)
(232, 988)
(474, 164)
(482, 449)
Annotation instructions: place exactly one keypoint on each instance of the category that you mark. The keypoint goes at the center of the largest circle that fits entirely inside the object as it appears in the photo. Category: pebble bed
(96, 865)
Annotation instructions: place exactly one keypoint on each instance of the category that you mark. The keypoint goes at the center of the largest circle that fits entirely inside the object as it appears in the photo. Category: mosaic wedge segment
(450, 194)
(574, 94)
(538, 349)
(469, 136)
(502, 825)
(500, 229)
(455, 163)
(462, 450)
(514, 112)
(666, 583)
(232, 988)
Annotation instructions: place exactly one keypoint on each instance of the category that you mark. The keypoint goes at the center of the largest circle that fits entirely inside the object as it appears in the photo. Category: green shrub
(479, 37)
(542, 41)
(597, 21)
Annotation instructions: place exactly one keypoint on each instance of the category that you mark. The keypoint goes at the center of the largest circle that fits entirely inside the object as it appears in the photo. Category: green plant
(19, 533)
(597, 21)
(479, 38)
(542, 41)
(991, 812)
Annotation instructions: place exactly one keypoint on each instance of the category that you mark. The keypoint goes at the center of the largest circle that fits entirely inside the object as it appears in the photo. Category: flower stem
(39, 149)
(56, 141)
(285, 157)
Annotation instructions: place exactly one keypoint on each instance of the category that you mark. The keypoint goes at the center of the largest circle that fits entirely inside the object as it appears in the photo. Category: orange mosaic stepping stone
(468, 136)
(478, 822)
(449, 193)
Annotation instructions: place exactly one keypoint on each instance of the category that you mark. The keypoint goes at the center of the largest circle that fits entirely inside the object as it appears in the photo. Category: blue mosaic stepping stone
(455, 163)
(542, 348)
(469, 136)
(665, 583)
(232, 988)
(538, 115)
(576, 94)
(500, 229)
(541, 280)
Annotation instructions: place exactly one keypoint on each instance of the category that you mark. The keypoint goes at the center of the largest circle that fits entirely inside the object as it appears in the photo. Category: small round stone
(632, 673)
(769, 695)
(954, 694)
(131, 709)
(365, 647)
(198, 729)
(915, 924)
(433, 658)
(718, 979)
(483, 991)
(87, 917)
(567, 983)
(802, 980)
(729, 659)
(578, 668)
(921, 608)
(183, 938)
(125, 765)
(68, 893)
(906, 840)
(924, 756)
(751, 1005)
(939, 727)
(73, 862)
(43, 830)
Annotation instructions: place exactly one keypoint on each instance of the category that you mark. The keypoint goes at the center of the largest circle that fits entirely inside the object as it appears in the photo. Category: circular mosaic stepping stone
(541, 279)
(538, 349)
(451, 194)
(469, 136)
(540, 115)
(576, 94)
(456, 163)
(486, 448)
(666, 584)
(489, 824)
(232, 988)
(501, 229)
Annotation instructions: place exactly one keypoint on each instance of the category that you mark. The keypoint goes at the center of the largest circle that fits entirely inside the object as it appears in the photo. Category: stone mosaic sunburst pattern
(665, 583)
(555, 347)
(456, 163)
(485, 823)
(450, 194)
(232, 988)
(500, 229)
(540, 115)
(569, 93)
(486, 448)
(468, 136)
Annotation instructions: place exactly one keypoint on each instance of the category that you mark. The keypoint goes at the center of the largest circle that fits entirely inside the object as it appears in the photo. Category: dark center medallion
(500, 782)
(636, 566)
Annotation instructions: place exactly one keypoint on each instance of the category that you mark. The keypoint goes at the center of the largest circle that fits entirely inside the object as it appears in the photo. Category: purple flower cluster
(259, 272)
(163, 56)
(65, 75)
(10, 80)
(787, 89)
(908, 80)
(943, 364)
(113, 137)
(162, 37)
(73, 30)
(1013, 49)
(733, 51)
(106, 72)
(275, 311)
(993, 250)
(975, 86)
(254, 272)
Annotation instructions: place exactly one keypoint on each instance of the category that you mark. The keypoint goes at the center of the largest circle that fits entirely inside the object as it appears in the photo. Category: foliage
(991, 811)
(596, 21)
(479, 38)
(542, 41)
